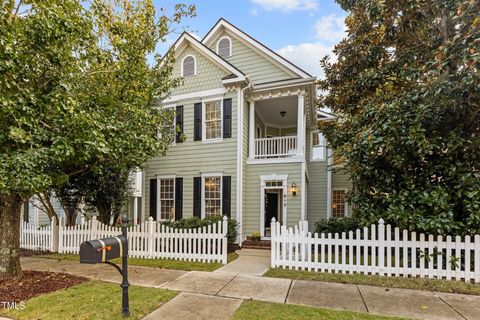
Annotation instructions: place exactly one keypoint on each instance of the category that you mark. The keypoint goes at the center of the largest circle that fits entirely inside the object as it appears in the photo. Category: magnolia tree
(77, 89)
(406, 91)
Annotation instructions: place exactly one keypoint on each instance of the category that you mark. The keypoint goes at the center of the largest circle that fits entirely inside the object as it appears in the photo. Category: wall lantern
(294, 188)
(283, 113)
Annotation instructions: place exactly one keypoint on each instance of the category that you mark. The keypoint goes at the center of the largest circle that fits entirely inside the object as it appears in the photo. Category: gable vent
(188, 66)
(224, 49)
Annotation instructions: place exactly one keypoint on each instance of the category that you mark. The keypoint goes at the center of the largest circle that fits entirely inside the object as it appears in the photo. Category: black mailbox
(103, 250)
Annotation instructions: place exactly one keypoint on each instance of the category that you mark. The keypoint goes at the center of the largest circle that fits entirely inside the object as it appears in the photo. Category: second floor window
(213, 119)
(167, 199)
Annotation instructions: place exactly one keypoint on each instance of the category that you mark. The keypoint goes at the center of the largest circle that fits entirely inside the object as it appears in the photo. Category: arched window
(189, 66)
(224, 47)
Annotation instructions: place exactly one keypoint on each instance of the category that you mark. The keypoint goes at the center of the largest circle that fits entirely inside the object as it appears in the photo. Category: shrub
(339, 225)
(195, 222)
(256, 236)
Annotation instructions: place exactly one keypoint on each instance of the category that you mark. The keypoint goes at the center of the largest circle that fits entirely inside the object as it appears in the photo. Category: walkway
(216, 295)
(250, 261)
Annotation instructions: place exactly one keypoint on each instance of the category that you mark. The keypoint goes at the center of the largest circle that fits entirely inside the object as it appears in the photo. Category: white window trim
(210, 99)
(159, 207)
(284, 200)
(212, 175)
(230, 41)
(345, 212)
(324, 148)
(194, 65)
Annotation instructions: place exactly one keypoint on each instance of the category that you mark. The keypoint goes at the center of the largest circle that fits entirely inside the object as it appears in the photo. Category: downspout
(240, 160)
(329, 182)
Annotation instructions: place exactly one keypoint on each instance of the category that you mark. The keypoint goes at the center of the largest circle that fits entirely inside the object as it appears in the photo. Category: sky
(302, 31)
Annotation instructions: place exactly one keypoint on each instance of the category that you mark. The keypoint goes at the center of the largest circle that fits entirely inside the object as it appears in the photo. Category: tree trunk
(104, 212)
(71, 216)
(10, 206)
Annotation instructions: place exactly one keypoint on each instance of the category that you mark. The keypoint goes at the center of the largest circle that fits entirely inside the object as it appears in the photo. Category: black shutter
(178, 198)
(153, 198)
(197, 197)
(227, 196)
(227, 118)
(179, 123)
(197, 131)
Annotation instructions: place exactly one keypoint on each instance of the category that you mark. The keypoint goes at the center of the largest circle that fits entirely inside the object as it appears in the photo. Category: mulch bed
(34, 283)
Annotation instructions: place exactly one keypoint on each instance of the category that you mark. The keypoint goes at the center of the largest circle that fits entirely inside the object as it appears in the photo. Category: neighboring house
(33, 212)
(252, 148)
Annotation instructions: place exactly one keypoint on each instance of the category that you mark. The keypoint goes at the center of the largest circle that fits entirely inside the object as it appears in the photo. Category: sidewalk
(216, 295)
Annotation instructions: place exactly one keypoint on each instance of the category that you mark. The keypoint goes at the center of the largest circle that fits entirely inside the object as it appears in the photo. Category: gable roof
(186, 37)
(256, 44)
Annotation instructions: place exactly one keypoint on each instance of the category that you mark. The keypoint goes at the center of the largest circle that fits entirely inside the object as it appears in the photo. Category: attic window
(224, 47)
(189, 66)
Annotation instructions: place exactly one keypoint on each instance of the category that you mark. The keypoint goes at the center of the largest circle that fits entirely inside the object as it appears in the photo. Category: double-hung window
(212, 125)
(212, 196)
(318, 146)
(167, 198)
(339, 204)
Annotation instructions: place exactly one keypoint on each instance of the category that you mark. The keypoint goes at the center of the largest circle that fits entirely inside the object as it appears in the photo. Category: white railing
(378, 251)
(150, 240)
(42, 238)
(275, 147)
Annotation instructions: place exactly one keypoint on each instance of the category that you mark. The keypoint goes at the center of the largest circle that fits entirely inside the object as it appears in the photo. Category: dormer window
(189, 66)
(224, 47)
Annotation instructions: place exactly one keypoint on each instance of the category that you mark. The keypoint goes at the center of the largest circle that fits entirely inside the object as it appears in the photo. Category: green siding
(251, 194)
(188, 159)
(317, 186)
(256, 66)
(209, 75)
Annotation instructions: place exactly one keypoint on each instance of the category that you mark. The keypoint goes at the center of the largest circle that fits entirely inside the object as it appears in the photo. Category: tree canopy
(78, 85)
(406, 93)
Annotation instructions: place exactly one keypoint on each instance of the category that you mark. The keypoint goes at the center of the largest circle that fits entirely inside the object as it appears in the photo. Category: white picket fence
(377, 251)
(38, 238)
(149, 240)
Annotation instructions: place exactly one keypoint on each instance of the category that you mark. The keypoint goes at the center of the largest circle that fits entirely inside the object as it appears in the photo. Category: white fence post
(224, 239)
(54, 235)
(150, 237)
(273, 243)
(381, 244)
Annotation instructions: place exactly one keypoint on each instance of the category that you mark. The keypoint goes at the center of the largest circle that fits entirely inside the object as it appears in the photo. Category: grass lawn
(153, 263)
(276, 311)
(91, 300)
(395, 282)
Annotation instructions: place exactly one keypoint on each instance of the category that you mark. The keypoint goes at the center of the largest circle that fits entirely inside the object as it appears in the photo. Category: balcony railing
(277, 147)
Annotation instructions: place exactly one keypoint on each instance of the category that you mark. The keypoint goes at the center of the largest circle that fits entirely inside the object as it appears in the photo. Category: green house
(251, 147)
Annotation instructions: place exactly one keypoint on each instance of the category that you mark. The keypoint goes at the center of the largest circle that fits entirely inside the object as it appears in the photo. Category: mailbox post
(125, 284)
(104, 250)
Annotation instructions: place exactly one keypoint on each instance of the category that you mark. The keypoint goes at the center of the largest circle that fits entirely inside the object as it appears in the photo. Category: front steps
(256, 244)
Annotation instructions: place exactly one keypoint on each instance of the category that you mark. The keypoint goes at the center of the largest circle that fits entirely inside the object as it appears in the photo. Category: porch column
(251, 130)
(300, 126)
(135, 210)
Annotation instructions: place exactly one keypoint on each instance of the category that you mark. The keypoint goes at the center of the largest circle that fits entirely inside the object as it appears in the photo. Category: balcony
(276, 147)
(276, 129)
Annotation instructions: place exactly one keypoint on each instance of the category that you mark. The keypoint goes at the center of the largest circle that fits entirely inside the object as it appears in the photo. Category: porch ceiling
(269, 111)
